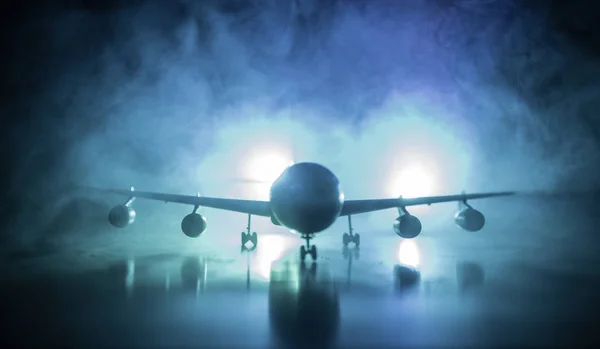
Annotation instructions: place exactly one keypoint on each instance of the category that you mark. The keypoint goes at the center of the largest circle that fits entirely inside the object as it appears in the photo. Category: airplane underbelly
(307, 217)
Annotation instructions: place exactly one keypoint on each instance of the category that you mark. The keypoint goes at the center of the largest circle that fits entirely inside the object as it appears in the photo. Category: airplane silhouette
(306, 198)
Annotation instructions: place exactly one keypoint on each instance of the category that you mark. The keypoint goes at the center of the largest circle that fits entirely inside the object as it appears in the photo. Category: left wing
(253, 207)
(352, 207)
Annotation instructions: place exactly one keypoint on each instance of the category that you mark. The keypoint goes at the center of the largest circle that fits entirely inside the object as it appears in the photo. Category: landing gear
(350, 236)
(249, 237)
(308, 249)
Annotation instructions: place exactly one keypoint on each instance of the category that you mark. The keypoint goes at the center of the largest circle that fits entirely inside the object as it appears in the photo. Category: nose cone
(307, 198)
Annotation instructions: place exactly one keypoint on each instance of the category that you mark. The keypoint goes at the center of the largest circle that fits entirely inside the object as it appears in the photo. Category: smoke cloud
(170, 96)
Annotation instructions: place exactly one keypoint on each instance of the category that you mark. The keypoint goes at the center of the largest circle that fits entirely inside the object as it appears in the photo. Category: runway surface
(502, 288)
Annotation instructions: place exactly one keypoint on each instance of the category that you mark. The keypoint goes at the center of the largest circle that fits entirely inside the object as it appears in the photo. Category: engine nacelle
(469, 219)
(275, 221)
(193, 225)
(407, 226)
(121, 216)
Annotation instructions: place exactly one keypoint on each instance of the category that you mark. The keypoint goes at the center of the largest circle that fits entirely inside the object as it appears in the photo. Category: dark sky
(151, 93)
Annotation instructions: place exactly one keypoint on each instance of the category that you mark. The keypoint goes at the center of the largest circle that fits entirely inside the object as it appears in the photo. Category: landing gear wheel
(356, 253)
(313, 252)
(247, 236)
(356, 239)
(346, 252)
(346, 239)
(302, 254)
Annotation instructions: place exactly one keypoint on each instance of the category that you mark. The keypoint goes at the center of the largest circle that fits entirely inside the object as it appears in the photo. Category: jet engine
(193, 225)
(407, 226)
(275, 221)
(121, 216)
(469, 219)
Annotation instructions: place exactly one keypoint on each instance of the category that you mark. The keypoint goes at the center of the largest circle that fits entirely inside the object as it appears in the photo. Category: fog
(173, 96)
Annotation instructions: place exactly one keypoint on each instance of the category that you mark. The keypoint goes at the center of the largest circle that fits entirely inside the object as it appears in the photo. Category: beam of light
(266, 167)
(270, 248)
(413, 180)
(408, 253)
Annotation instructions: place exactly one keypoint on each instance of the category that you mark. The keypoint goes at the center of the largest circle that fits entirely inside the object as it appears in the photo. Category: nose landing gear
(308, 249)
(350, 236)
(249, 237)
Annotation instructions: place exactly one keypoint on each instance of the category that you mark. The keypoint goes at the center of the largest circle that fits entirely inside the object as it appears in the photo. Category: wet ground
(480, 292)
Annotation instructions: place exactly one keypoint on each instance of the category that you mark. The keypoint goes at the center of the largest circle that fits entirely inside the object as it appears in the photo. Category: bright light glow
(414, 181)
(408, 253)
(270, 249)
(266, 168)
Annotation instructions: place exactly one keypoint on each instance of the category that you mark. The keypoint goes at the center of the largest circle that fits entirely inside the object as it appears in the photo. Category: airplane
(307, 199)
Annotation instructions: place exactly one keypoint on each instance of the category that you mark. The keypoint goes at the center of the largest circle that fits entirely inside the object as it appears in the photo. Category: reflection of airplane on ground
(406, 278)
(193, 273)
(469, 276)
(307, 199)
(350, 254)
(304, 308)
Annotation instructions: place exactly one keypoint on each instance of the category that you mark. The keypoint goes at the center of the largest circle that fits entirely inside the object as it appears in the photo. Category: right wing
(253, 207)
(352, 207)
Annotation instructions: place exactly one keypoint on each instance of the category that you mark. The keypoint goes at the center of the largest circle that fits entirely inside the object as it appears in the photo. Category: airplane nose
(310, 195)
(306, 196)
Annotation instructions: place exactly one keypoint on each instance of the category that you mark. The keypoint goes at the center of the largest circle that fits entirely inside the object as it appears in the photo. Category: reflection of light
(130, 276)
(271, 248)
(413, 181)
(267, 168)
(408, 253)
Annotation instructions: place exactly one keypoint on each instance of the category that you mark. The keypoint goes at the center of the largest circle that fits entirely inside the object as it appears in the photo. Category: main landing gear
(308, 249)
(249, 237)
(350, 236)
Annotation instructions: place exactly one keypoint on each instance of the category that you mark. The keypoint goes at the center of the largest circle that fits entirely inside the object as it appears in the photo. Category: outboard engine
(407, 226)
(121, 216)
(193, 225)
(469, 219)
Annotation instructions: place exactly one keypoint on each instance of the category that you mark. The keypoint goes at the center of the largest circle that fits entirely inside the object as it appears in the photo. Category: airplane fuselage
(306, 198)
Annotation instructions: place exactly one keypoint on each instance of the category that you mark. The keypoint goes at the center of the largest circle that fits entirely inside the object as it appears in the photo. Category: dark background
(132, 85)
(111, 93)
